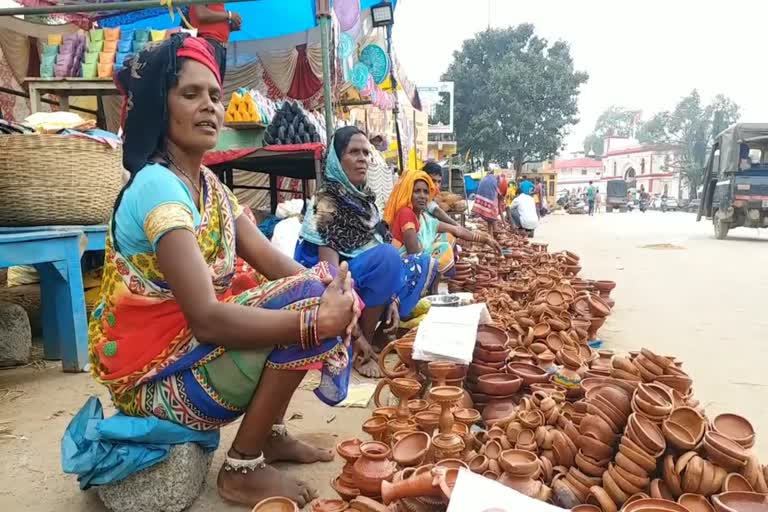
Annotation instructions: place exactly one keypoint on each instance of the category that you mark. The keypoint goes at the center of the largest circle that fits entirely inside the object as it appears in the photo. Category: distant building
(574, 175)
(647, 166)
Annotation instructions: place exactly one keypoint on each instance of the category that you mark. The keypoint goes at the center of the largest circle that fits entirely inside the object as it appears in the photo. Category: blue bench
(55, 252)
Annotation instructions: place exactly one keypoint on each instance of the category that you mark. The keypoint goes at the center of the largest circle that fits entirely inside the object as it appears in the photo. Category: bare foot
(252, 487)
(369, 368)
(284, 448)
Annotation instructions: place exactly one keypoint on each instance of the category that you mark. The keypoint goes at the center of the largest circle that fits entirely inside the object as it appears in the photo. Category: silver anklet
(279, 430)
(244, 466)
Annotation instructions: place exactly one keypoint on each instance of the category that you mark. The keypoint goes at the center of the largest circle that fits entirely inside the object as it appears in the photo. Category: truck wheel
(721, 228)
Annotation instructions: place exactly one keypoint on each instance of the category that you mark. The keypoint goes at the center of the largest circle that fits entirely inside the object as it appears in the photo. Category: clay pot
(376, 427)
(736, 428)
(276, 504)
(412, 449)
(499, 384)
(372, 468)
(598, 307)
(328, 506)
(740, 501)
(605, 287)
(424, 484)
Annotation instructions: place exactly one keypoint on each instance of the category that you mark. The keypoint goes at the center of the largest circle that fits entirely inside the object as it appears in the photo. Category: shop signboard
(437, 100)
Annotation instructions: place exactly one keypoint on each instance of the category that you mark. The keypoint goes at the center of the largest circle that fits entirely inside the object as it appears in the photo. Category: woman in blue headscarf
(342, 223)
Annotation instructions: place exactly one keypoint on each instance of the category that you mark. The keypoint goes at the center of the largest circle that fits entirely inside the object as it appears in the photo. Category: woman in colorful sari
(342, 223)
(487, 201)
(406, 214)
(168, 337)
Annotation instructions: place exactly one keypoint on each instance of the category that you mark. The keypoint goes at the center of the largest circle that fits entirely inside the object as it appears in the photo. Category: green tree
(692, 126)
(516, 95)
(615, 121)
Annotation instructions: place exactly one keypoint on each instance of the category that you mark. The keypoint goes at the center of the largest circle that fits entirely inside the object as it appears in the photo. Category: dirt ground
(680, 292)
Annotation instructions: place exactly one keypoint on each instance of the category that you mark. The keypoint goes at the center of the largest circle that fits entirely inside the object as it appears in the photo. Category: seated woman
(342, 223)
(168, 337)
(406, 213)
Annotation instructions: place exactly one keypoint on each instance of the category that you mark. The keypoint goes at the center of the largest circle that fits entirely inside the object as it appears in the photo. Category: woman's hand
(393, 318)
(338, 309)
(492, 243)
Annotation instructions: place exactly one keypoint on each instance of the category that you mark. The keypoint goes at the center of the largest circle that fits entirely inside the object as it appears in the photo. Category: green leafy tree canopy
(516, 95)
(692, 126)
(614, 122)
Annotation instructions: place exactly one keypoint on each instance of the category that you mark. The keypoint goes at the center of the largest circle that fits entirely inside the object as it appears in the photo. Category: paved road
(680, 292)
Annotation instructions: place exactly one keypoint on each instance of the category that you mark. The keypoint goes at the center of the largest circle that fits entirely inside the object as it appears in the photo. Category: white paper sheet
(475, 493)
(449, 334)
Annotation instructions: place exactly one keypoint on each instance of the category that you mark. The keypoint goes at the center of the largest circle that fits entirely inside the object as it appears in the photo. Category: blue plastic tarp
(102, 451)
(262, 19)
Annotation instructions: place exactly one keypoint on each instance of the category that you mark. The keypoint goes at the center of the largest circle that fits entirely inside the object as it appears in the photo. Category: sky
(640, 55)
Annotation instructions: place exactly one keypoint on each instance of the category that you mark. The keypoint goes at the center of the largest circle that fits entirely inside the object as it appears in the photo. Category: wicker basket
(57, 180)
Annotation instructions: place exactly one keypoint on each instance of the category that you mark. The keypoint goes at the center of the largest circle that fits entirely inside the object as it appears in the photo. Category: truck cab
(735, 192)
(616, 195)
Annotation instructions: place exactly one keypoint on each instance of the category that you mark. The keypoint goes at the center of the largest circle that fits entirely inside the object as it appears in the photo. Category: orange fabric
(402, 194)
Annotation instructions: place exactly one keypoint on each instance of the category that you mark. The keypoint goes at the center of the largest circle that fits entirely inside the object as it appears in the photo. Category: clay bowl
(598, 427)
(629, 482)
(417, 405)
(654, 505)
(740, 502)
(646, 434)
(678, 436)
(680, 383)
(594, 448)
(650, 410)
(714, 441)
(519, 463)
(734, 482)
(499, 384)
(590, 466)
(479, 369)
(344, 492)
(276, 504)
(695, 503)
(654, 394)
(622, 363)
(541, 330)
(490, 356)
(412, 449)
(601, 499)
(690, 419)
(606, 407)
(427, 420)
(613, 489)
(467, 416)
(323, 505)
(479, 464)
(491, 338)
(736, 428)
(627, 464)
(721, 459)
(529, 373)
(636, 454)
(386, 412)
(614, 395)
(596, 411)
(659, 490)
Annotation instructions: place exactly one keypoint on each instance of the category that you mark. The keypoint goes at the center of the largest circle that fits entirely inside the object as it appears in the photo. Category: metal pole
(396, 109)
(133, 5)
(325, 20)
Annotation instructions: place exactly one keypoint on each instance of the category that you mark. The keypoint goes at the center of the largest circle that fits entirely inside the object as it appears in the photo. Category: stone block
(15, 335)
(170, 486)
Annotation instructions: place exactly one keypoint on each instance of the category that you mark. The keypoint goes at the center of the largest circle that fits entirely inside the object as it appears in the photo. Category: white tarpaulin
(449, 334)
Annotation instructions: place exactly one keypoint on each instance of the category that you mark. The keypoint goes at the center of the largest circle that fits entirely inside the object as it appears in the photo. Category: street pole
(324, 19)
(396, 108)
(133, 5)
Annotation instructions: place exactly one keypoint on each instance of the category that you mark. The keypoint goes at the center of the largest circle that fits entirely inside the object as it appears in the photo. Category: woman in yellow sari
(406, 214)
(170, 338)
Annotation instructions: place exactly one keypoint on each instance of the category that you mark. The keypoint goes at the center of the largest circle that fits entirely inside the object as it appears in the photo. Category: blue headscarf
(342, 216)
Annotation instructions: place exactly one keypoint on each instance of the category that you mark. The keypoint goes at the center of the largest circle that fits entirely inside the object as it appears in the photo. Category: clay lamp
(490, 356)
(627, 481)
(594, 448)
(447, 442)
(724, 452)
(347, 493)
(598, 497)
(519, 463)
(412, 449)
(479, 464)
(404, 349)
(637, 454)
(734, 482)
(386, 412)
(654, 504)
(680, 383)
(439, 370)
(685, 428)
(541, 330)
(467, 416)
(736, 428)
(276, 504)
